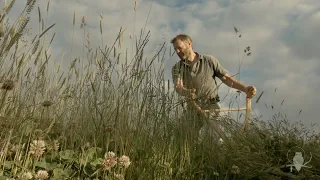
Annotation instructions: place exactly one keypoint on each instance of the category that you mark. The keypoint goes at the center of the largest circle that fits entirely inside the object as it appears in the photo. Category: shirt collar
(188, 64)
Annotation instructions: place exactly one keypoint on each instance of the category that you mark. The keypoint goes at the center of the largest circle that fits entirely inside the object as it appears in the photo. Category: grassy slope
(82, 114)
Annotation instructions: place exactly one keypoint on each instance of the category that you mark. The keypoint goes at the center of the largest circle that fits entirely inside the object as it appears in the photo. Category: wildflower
(87, 145)
(41, 175)
(109, 161)
(124, 161)
(235, 169)
(26, 176)
(7, 85)
(55, 145)
(118, 176)
(37, 148)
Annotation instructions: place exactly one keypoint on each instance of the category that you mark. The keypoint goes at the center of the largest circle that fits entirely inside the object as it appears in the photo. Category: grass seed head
(109, 129)
(46, 103)
(1, 30)
(7, 85)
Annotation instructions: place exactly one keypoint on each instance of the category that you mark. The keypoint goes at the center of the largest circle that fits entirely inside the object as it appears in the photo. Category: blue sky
(282, 36)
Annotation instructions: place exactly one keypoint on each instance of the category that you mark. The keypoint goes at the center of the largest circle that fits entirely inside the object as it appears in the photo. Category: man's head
(182, 44)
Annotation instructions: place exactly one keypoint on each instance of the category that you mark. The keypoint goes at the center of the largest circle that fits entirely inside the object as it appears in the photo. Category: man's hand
(179, 84)
(192, 94)
(250, 91)
(189, 93)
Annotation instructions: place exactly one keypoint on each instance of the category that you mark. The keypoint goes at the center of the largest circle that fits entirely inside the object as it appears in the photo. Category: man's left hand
(251, 91)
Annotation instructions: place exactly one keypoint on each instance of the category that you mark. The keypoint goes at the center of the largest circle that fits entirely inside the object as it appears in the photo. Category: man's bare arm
(233, 83)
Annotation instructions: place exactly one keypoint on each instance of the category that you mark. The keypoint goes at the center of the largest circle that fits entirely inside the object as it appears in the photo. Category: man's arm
(233, 83)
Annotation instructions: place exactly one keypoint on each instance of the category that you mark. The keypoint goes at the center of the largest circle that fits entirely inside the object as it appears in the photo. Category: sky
(285, 59)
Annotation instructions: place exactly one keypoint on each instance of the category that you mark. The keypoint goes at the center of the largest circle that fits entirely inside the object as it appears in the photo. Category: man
(194, 77)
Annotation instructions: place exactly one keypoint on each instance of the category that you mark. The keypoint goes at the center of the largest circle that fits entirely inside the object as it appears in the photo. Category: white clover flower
(42, 175)
(109, 161)
(220, 142)
(118, 176)
(235, 169)
(124, 161)
(110, 154)
(37, 148)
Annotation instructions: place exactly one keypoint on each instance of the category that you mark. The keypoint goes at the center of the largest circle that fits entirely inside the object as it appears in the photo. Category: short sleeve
(175, 72)
(218, 69)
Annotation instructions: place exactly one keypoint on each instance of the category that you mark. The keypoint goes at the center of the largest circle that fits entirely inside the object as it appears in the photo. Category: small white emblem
(298, 160)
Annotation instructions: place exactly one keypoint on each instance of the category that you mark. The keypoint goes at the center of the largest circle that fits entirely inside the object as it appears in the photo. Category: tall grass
(115, 117)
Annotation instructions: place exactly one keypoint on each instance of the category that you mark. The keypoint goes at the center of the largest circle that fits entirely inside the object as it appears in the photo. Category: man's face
(182, 48)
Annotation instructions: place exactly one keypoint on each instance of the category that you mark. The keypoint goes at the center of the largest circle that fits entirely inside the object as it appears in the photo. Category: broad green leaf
(68, 155)
(45, 165)
(93, 151)
(96, 162)
(59, 173)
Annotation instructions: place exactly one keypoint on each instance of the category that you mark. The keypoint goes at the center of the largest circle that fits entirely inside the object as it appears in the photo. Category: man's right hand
(192, 94)
(179, 84)
(189, 93)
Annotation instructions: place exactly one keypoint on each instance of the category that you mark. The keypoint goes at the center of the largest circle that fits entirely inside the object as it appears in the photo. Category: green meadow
(108, 116)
